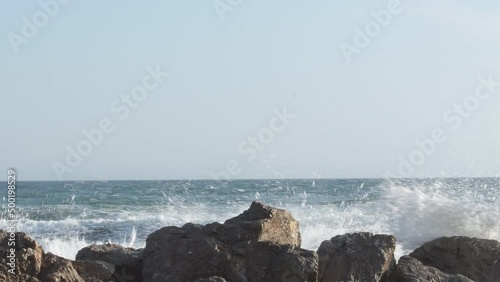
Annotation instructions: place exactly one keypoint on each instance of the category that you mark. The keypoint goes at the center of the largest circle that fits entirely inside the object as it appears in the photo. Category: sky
(249, 89)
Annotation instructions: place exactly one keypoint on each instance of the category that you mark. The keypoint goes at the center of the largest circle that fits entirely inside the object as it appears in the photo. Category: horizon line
(246, 179)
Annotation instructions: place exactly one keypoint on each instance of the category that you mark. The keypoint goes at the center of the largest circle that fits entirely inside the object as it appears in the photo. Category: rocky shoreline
(261, 244)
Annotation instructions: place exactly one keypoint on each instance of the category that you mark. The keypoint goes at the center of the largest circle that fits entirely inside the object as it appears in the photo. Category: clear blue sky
(226, 76)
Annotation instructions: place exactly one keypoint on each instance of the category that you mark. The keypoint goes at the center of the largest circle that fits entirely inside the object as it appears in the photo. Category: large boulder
(270, 262)
(231, 250)
(127, 262)
(357, 257)
(95, 271)
(411, 270)
(185, 254)
(55, 269)
(478, 259)
(28, 260)
(32, 264)
(260, 223)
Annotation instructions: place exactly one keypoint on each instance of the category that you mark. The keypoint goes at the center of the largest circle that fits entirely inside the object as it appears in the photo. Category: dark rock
(357, 257)
(94, 271)
(183, 254)
(269, 262)
(127, 261)
(478, 259)
(411, 270)
(58, 269)
(195, 251)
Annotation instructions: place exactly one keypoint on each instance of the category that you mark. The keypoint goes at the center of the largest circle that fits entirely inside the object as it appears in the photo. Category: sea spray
(126, 212)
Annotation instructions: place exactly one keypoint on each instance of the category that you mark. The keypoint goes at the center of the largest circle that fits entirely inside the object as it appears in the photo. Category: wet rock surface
(411, 270)
(127, 262)
(478, 259)
(357, 257)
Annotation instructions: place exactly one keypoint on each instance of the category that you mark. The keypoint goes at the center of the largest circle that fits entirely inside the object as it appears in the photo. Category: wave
(414, 211)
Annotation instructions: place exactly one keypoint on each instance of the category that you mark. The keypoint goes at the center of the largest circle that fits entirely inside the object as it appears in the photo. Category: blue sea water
(67, 216)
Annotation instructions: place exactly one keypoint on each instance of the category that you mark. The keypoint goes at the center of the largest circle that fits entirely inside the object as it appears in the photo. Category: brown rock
(28, 257)
(32, 263)
(261, 223)
(58, 269)
(478, 259)
(357, 257)
(197, 252)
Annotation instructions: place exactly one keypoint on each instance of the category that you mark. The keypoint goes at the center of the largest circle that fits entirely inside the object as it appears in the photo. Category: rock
(184, 254)
(411, 270)
(94, 271)
(33, 264)
(478, 259)
(127, 261)
(261, 244)
(58, 269)
(260, 223)
(357, 257)
(226, 250)
(269, 262)
(28, 257)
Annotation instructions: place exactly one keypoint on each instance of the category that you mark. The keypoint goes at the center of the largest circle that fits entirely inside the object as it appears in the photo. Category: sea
(67, 216)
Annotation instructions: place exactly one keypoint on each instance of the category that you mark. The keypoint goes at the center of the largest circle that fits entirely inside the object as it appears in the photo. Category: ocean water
(67, 216)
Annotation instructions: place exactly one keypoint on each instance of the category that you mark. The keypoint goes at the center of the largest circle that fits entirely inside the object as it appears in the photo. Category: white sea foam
(421, 213)
(414, 212)
(64, 247)
(68, 247)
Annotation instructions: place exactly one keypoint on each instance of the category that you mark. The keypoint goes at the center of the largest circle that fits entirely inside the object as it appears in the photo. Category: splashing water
(66, 219)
